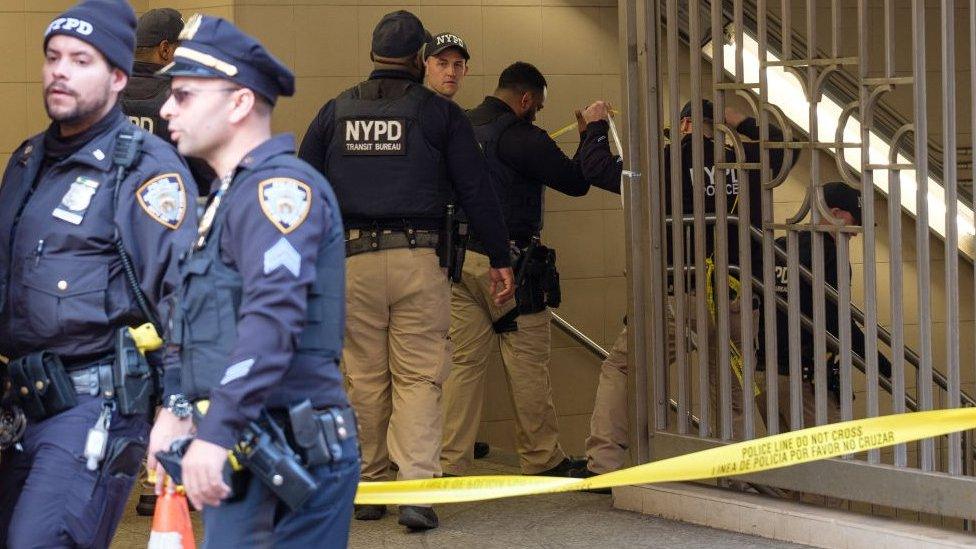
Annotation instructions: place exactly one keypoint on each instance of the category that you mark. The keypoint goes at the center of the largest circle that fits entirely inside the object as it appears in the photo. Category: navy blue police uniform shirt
(61, 282)
(447, 129)
(273, 304)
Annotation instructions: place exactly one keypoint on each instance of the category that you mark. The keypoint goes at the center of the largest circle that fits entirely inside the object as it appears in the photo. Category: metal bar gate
(834, 87)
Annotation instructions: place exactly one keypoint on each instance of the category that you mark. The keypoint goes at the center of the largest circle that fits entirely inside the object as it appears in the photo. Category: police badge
(164, 199)
(285, 202)
(74, 204)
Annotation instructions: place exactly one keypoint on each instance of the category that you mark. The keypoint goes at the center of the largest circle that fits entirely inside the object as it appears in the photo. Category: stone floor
(547, 521)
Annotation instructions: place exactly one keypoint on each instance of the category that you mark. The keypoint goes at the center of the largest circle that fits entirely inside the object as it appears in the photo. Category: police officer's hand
(599, 110)
(733, 117)
(166, 429)
(203, 473)
(580, 121)
(502, 284)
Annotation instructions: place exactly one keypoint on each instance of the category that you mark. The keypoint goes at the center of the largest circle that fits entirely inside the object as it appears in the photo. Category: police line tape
(763, 454)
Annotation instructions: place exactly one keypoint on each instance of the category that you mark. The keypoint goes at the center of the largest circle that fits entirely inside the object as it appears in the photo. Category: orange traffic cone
(171, 528)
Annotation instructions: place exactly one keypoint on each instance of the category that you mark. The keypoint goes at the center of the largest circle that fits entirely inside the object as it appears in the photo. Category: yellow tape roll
(753, 456)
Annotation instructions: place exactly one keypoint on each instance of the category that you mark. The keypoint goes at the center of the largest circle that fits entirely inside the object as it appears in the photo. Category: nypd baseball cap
(445, 41)
(398, 34)
(211, 47)
(157, 25)
(108, 25)
(840, 195)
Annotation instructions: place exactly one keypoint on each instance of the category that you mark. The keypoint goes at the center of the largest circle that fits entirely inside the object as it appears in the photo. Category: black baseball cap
(445, 41)
(399, 34)
(157, 25)
(708, 110)
(840, 195)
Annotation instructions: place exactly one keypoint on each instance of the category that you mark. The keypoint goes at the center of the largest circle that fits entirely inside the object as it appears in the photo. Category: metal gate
(830, 74)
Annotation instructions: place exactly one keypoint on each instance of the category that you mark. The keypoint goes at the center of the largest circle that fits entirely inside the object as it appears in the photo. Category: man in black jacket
(734, 189)
(523, 161)
(396, 153)
(157, 37)
(844, 204)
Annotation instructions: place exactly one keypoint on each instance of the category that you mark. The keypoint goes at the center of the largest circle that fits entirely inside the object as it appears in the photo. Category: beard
(85, 106)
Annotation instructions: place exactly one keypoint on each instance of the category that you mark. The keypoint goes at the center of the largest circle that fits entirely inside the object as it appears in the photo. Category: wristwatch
(179, 406)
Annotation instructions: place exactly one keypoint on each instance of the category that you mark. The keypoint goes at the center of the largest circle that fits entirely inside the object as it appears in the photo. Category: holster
(135, 384)
(452, 244)
(41, 386)
(537, 285)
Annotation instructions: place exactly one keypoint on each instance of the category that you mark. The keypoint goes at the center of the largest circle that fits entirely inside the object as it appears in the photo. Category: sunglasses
(182, 94)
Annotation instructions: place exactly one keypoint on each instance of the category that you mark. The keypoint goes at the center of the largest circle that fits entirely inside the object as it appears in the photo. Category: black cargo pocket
(65, 297)
(199, 304)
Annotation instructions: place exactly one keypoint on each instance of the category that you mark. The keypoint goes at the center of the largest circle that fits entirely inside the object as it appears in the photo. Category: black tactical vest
(141, 101)
(379, 163)
(205, 324)
(521, 198)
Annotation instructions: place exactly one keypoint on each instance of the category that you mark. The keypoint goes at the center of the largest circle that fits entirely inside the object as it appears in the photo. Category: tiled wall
(574, 43)
(327, 43)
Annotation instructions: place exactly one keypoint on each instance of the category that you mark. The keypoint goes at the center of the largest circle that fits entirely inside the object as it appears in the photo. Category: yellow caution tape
(753, 456)
(570, 127)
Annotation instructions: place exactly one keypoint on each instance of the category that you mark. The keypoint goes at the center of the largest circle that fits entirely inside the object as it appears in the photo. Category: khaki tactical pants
(525, 355)
(395, 357)
(606, 447)
(808, 393)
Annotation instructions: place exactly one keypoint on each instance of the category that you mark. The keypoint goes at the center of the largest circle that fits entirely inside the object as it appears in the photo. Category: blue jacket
(61, 282)
(260, 317)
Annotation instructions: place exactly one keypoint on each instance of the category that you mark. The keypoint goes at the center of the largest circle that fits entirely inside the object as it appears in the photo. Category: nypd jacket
(442, 132)
(732, 187)
(61, 283)
(807, 356)
(261, 306)
(524, 160)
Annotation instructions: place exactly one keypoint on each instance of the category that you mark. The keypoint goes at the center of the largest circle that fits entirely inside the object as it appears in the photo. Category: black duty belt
(373, 240)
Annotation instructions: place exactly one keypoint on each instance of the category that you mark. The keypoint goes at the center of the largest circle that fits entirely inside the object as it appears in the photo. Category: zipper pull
(38, 251)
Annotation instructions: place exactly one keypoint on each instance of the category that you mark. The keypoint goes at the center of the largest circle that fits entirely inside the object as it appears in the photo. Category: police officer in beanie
(845, 204)
(258, 326)
(396, 153)
(157, 37)
(73, 200)
(523, 160)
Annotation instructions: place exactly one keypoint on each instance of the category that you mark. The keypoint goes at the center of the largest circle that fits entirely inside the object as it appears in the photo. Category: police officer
(260, 313)
(157, 37)
(446, 60)
(845, 204)
(396, 153)
(66, 291)
(523, 161)
(446, 63)
(731, 186)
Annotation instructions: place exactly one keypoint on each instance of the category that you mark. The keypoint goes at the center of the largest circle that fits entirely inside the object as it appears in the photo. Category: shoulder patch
(164, 199)
(285, 201)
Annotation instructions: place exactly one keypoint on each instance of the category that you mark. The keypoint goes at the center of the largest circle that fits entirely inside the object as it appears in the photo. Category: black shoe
(417, 518)
(481, 449)
(370, 512)
(146, 506)
(562, 469)
(584, 472)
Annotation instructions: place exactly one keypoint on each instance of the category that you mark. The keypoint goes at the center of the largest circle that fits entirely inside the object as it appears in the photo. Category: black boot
(418, 518)
(370, 512)
(146, 506)
(481, 449)
(584, 472)
(562, 469)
